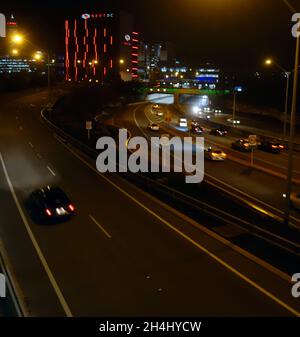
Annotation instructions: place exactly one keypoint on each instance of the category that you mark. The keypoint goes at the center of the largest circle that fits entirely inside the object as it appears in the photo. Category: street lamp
(268, 62)
(287, 74)
(15, 52)
(17, 38)
(292, 126)
(235, 91)
(38, 57)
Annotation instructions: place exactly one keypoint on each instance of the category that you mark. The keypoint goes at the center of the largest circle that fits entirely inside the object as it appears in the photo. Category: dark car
(50, 203)
(196, 129)
(219, 132)
(272, 147)
(241, 145)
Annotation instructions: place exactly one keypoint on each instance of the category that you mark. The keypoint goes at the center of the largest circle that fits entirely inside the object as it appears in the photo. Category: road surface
(124, 253)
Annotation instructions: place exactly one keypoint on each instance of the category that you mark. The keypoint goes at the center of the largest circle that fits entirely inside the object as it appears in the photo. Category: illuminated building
(101, 47)
(154, 55)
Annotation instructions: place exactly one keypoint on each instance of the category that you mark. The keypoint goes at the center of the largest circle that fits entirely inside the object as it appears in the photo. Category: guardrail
(14, 294)
(188, 203)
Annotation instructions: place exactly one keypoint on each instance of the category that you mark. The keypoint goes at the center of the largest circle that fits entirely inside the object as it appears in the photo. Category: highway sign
(88, 125)
(253, 140)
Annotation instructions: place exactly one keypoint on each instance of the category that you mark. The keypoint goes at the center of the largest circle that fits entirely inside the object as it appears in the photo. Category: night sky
(227, 33)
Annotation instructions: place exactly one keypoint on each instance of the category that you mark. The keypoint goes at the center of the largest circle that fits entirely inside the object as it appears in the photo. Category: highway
(124, 253)
(265, 187)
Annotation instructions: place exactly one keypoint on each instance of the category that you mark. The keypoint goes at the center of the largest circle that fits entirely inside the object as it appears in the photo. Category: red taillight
(48, 212)
(71, 208)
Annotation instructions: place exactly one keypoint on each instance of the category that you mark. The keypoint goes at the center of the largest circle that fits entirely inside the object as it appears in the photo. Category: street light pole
(292, 136)
(48, 69)
(287, 74)
(234, 106)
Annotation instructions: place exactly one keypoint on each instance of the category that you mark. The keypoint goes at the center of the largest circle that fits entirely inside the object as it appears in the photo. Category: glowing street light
(287, 74)
(122, 61)
(37, 56)
(15, 52)
(17, 38)
(268, 62)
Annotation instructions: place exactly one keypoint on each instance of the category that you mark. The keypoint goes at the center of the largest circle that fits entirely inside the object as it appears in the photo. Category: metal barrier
(13, 291)
(185, 201)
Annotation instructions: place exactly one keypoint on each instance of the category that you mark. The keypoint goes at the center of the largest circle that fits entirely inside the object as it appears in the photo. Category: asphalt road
(263, 188)
(124, 253)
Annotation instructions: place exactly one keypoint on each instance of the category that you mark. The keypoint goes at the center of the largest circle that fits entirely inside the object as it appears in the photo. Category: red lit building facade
(101, 47)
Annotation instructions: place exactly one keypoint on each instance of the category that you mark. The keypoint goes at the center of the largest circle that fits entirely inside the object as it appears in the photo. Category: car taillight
(281, 146)
(274, 146)
(48, 212)
(71, 208)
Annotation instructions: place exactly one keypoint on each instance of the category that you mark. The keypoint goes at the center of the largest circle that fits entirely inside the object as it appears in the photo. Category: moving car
(219, 132)
(215, 154)
(51, 203)
(270, 146)
(153, 127)
(295, 199)
(196, 129)
(182, 122)
(241, 145)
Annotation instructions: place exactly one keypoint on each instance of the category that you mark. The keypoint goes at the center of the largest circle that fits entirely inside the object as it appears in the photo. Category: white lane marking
(101, 227)
(41, 256)
(51, 171)
(189, 239)
(30, 144)
(231, 187)
(224, 183)
(39, 156)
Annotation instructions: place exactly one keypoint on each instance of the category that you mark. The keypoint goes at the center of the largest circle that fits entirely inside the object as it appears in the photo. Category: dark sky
(229, 33)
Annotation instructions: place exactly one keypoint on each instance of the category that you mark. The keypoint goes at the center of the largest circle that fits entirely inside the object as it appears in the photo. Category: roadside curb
(13, 286)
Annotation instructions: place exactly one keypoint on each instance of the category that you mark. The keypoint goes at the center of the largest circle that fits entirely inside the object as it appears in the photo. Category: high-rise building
(101, 47)
(152, 56)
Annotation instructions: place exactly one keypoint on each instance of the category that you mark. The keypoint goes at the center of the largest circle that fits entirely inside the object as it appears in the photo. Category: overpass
(176, 92)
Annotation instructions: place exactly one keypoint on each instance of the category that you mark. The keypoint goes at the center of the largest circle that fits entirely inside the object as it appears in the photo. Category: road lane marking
(189, 239)
(245, 160)
(30, 144)
(101, 227)
(38, 250)
(224, 183)
(39, 156)
(51, 171)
